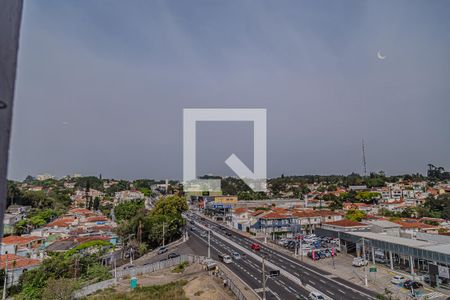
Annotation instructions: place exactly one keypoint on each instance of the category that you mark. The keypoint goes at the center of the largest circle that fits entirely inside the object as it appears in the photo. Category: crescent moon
(380, 56)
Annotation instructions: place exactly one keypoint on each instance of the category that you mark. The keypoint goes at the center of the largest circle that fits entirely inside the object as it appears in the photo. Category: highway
(326, 283)
(247, 268)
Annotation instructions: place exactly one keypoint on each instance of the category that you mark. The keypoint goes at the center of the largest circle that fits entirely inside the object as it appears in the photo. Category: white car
(236, 255)
(398, 279)
(316, 296)
(359, 262)
(227, 259)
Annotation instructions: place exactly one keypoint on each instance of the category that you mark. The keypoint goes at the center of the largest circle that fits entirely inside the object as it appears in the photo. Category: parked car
(316, 296)
(172, 255)
(281, 242)
(408, 284)
(256, 247)
(162, 250)
(398, 279)
(359, 262)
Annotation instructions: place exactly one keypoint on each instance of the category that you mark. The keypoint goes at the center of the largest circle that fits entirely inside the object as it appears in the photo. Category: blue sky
(102, 84)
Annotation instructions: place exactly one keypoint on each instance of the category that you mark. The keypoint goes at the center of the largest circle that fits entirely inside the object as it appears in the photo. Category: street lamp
(273, 273)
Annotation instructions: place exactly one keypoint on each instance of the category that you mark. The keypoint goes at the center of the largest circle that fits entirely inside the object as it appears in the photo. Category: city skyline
(102, 89)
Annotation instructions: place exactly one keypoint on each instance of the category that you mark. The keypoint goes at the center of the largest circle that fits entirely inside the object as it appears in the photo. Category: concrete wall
(10, 17)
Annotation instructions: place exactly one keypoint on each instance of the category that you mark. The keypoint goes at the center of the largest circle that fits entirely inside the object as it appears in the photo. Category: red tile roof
(240, 210)
(61, 222)
(19, 240)
(315, 213)
(80, 211)
(16, 262)
(276, 215)
(345, 223)
(97, 219)
(257, 213)
(413, 224)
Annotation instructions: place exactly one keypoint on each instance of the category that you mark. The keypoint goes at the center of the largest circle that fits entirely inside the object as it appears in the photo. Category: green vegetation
(355, 215)
(180, 268)
(57, 198)
(147, 226)
(71, 271)
(128, 209)
(98, 244)
(437, 207)
(37, 218)
(173, 291)
(437, 173)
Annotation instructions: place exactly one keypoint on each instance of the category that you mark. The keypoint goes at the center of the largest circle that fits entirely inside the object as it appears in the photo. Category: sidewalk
(377, 281)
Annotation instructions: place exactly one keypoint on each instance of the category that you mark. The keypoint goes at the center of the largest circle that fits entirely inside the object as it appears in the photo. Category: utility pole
(164, 233)
(265, 235)
(209, 243)
(263, 278)
(115, 269)
(6, 277)
(139, 233)
(364, 262)
(301, 249)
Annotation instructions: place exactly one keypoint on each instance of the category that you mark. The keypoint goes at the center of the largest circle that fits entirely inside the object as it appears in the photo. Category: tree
(59, 289)
(170, 205)
(128, 209)
(96, 203)
(355, 215)
(439, 207)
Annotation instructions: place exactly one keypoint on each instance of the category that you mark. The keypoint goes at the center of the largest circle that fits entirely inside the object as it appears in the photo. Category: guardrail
(231, 285)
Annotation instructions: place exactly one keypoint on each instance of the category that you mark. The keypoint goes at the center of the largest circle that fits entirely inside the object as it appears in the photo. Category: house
(63, 222)
(357, 187)
(397, 205)
(410, 227)
(310, 219)
(240, 218)
(276, 224)
(21, 245)
(367, 208)
(128, 195)
(15, 266)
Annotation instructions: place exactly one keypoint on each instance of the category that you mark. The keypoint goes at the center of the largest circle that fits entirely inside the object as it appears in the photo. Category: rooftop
(346, 223)
(14, 239)
(384, 224)
(18, 261)
(394, 239)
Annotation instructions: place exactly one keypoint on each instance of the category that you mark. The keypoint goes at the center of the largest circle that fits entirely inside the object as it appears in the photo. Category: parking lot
(356, 270)
(312, 246)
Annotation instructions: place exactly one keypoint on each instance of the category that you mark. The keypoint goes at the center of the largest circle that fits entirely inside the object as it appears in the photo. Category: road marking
(228, 240)
(329, 292)
(341, 291)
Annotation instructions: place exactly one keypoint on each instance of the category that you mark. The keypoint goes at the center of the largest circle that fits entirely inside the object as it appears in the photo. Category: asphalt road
(247, 268)
(326, 283)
